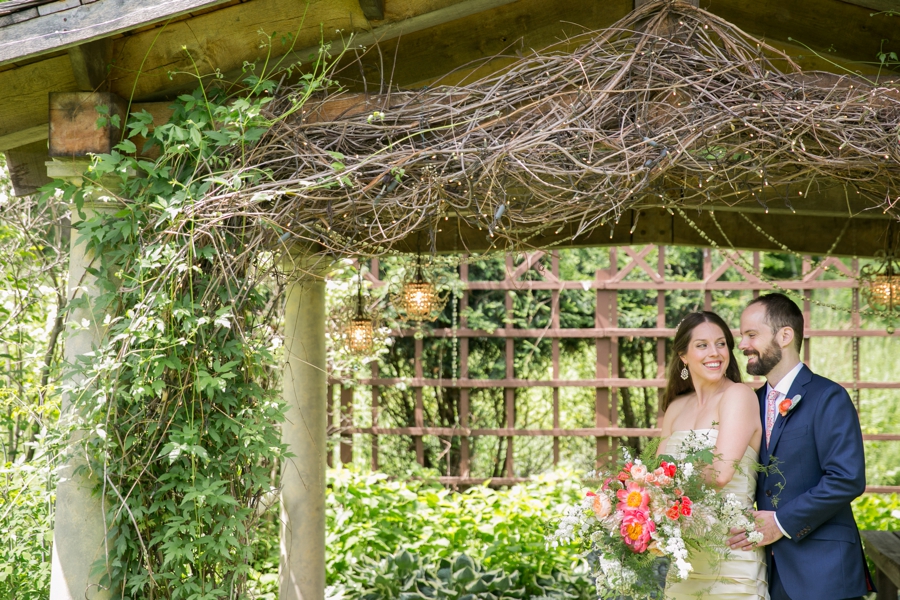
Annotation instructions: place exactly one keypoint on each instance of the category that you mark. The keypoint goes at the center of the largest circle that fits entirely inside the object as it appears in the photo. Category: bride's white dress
(740, 575)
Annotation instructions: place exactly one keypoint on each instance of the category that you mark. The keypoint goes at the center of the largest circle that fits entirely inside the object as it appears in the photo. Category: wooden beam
(373, 9)
(27, 168)
(806, 234)
(881, 5)
(24, 96)
(91, 64)
(211, 48)
(76, 123)
(23, 137)
(64, 29)
(826, 27)
(155, 63)
(431, 45)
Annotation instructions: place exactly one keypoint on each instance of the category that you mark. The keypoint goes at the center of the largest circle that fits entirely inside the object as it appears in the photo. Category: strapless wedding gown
(740, 575)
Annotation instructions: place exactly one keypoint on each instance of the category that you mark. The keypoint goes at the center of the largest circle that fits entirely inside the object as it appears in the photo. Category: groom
(811, 434)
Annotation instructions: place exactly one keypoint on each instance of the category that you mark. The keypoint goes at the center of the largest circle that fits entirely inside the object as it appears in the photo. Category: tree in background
(33, 271)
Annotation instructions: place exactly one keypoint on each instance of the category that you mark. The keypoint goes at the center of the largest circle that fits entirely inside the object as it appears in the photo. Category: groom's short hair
(781, 311)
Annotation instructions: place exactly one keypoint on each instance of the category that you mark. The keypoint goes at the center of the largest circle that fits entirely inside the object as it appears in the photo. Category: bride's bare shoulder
(740, 394)
(676, 406)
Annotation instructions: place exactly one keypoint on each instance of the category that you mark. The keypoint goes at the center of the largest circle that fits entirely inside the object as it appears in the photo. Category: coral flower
(674, 512)
(634, 497)
(636, 529)
(785, 406)
(668, 468)
(686, 506)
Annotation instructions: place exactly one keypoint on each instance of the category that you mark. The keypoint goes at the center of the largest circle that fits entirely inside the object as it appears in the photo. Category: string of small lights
(763, 277)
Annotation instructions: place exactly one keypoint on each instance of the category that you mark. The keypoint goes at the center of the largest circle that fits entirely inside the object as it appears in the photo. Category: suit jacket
(815, 468)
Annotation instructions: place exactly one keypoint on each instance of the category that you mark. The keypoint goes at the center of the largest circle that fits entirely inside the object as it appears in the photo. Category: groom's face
(758, 341)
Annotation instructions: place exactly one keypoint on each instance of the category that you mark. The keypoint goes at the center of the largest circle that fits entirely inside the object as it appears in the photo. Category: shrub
(415, 534)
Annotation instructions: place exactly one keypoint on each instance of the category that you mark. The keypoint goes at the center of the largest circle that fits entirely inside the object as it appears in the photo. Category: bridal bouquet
(649, 507)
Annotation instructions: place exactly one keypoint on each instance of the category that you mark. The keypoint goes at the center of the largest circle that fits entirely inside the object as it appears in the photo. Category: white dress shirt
(783, 387)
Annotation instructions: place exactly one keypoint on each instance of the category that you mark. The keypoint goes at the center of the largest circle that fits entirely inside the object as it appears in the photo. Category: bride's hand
(765, 524)
(738, 539)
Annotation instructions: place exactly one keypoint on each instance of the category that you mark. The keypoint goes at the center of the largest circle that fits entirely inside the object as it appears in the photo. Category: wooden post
(464, 371)
(554, 351)
(346, 423)
(332, 422)
(375, 370)
(807, 312)
(302, 569)
(756, 270)
(661, 323)
(28, 167)
(604, 317)
(707, 271)
(79, 532)
(76, 123)
(855, 325)
(509, 393)
(374, 268)
(419, 410)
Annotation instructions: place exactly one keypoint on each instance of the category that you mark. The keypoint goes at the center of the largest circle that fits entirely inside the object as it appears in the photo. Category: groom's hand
(766, 525)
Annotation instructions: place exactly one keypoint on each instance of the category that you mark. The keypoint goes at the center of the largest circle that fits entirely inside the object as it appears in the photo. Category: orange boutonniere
(787, 405)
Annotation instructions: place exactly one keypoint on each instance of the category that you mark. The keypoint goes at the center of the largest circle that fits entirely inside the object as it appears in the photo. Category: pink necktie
(770, 413)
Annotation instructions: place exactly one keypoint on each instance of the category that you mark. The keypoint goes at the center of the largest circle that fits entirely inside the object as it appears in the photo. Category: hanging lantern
(360, 335)
(360, 330)
(418, 299)
(881, 285)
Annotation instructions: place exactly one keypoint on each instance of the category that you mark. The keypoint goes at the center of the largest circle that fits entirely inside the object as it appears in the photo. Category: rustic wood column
(302, 568)
(79, 532)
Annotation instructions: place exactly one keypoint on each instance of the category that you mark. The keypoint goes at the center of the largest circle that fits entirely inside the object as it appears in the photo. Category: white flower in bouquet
(734, 515)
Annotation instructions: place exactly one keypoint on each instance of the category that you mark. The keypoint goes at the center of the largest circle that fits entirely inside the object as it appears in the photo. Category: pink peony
(633, 497)
(636, 529)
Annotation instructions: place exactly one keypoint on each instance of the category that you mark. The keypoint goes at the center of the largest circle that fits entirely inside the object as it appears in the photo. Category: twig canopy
(670, 107)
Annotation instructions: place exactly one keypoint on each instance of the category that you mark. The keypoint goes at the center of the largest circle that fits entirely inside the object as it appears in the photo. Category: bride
(704, 395)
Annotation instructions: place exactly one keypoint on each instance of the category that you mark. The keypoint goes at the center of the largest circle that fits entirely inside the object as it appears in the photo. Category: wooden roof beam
(800, 233)
(66, 28)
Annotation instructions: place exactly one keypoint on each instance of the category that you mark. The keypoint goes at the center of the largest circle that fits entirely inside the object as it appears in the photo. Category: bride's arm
(739, 427)
(668, 417)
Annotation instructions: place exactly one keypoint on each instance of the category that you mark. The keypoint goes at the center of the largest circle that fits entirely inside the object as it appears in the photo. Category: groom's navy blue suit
(818, 449)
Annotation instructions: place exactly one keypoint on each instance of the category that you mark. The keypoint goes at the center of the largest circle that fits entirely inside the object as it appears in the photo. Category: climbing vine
(179, 400)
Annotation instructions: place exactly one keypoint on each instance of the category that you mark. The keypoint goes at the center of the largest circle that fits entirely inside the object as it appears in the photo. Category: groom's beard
(765, 361)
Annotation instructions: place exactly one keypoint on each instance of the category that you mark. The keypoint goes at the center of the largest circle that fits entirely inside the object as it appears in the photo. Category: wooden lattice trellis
(605, 333)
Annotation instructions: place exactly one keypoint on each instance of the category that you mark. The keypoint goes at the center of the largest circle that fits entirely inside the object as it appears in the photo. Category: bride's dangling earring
(684, 372)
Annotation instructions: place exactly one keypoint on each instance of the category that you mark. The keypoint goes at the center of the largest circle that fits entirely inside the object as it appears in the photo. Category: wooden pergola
(61, 58)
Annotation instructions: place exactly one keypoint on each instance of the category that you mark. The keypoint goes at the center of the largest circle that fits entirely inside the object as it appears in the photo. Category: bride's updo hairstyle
(675, 385)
